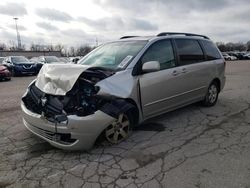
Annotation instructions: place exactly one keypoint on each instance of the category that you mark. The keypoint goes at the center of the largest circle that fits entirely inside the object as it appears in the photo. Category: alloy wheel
(212, 93)
(118, 130)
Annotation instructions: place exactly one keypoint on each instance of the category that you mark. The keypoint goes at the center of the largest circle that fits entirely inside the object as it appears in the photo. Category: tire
(211, 95)
(120, 129)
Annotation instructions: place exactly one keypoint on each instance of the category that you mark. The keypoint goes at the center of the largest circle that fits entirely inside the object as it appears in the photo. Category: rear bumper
(82, 131)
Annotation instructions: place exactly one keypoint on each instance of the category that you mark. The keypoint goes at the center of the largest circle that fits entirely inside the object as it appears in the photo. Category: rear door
(194, 68)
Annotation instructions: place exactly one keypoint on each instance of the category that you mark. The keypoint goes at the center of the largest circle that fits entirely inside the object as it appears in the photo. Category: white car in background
(229, 57)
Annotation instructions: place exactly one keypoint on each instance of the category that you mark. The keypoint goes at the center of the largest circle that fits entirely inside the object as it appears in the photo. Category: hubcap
(118, 130)
(212, 93)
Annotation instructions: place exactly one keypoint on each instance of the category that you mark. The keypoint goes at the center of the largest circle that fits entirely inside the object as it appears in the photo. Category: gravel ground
(190, 147)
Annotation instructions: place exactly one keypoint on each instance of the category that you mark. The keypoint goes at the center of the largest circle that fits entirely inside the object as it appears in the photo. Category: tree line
(84, 49)
(230, 46)
(65, 51)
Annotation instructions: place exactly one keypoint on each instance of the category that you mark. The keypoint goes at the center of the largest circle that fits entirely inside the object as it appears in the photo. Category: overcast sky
(77, 22)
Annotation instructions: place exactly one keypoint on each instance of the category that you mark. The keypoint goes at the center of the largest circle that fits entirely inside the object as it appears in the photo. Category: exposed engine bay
(81, 100)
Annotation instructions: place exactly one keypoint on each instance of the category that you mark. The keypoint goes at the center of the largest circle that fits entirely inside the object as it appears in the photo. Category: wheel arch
(117, 106)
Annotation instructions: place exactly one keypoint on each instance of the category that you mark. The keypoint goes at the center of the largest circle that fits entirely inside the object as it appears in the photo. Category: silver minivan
(119, 85)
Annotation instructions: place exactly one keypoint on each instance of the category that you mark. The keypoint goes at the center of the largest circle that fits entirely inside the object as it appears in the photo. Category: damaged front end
(75, 113)
(81, 100)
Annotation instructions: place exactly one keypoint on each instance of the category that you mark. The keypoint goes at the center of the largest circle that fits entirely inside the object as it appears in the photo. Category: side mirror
(151, 66)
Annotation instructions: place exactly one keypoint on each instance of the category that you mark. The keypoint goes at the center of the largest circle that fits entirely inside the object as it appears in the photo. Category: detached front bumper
(77, 133)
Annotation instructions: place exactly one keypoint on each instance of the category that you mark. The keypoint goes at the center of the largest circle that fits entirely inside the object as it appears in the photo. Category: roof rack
(176, 33)
(126, 37)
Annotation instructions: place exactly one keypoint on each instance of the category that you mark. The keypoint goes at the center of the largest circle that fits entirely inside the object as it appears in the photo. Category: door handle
(175, 73)
(184, 70)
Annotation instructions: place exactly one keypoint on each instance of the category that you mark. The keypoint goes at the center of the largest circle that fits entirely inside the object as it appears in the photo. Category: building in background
(30, 54)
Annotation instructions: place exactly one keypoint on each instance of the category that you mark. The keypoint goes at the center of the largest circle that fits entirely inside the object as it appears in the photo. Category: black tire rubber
(207, 100)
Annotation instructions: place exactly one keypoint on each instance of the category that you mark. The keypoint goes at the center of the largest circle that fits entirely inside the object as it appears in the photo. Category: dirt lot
(191, 147)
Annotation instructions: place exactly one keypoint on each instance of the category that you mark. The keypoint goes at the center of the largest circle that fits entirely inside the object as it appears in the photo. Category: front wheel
(212, 95)
(119, 130)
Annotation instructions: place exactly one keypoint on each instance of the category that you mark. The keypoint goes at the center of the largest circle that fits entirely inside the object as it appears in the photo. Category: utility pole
(19, 45)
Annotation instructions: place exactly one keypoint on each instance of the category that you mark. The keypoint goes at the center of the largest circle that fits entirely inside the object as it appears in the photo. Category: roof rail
(176, 33)
(126, 37)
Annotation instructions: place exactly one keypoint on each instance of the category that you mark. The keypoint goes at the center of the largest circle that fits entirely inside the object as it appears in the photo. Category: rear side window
(189, 51)
(162, 52)
(211, 51)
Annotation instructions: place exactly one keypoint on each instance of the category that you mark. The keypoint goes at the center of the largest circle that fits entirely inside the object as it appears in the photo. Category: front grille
(32, 100)
(27, 66)
(57, 137)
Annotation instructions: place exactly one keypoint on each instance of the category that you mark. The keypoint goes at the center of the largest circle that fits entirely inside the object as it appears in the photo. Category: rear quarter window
(189, 51)
(211, 51)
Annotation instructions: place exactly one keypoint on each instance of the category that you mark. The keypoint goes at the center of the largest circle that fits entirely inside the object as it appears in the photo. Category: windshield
(52, 59)
(19, 60)
(115, 56)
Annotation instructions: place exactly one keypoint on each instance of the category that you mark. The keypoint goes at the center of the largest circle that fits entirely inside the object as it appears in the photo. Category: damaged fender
(119, 85)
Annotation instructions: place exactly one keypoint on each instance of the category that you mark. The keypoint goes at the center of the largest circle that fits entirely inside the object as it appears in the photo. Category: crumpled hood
(58, 79)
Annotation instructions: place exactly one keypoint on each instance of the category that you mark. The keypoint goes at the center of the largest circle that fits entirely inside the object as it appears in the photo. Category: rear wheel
(119, 130)
(212, 95)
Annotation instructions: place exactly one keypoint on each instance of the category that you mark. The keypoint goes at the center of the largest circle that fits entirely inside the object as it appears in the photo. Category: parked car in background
(20, 65)
(49, 59)
(36, 61)
(233, 54)
(240, 55)
(4, 72)
(119, 85)
(64, 59)
(247, 56)
(229, 57)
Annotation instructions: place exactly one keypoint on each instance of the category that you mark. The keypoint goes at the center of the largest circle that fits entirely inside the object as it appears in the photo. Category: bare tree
(83, 50)
(248, 46)
(72, 51)
(224, 47)
(3, 46)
